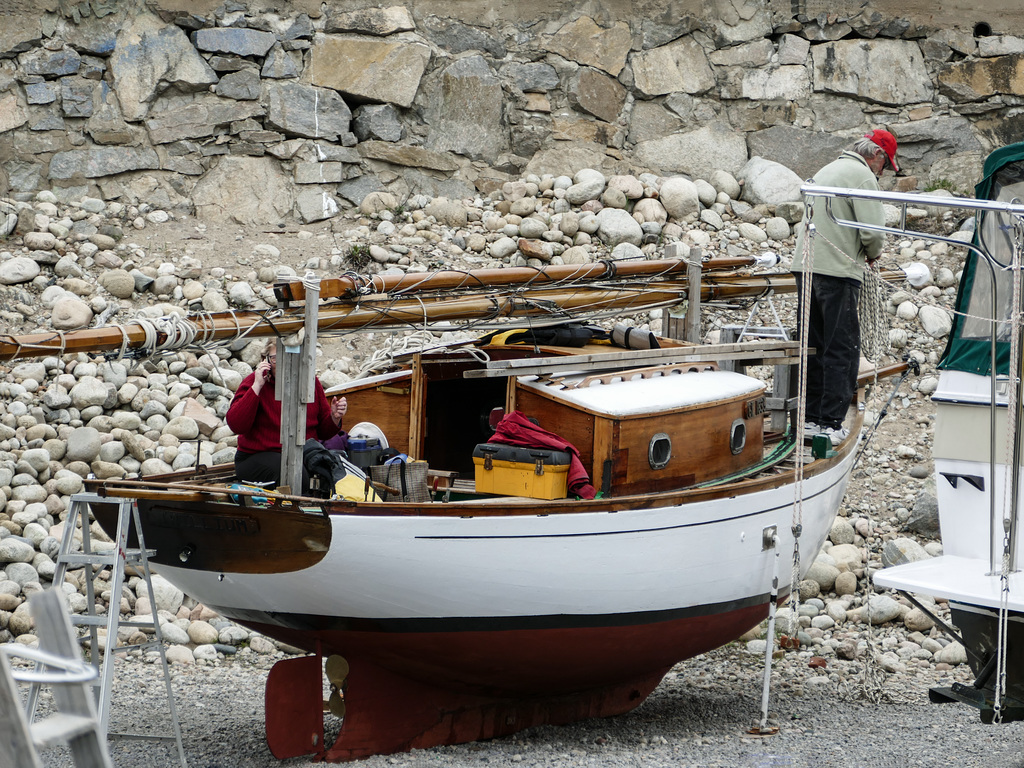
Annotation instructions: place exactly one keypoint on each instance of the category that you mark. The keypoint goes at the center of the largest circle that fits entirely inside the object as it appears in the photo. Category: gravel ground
(697, 718)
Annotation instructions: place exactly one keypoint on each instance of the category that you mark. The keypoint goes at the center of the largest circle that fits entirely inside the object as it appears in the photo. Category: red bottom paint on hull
(410, 691)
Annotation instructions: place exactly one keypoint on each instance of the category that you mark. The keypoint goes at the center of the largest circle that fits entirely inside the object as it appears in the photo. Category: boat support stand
(972, 695)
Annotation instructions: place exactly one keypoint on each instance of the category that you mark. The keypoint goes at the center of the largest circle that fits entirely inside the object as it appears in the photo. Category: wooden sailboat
(486, 606)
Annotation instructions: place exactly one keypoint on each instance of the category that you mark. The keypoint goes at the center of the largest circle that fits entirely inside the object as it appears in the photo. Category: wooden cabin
(644, 429)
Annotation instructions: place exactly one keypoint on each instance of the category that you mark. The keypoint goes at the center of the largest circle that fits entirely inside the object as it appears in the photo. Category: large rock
(598, 94)
(198, 115)
(824, 573)
(150, 57)
(936, 321)
(454, 37)
(20, 37)
(239, 41)
(414, 157)
(679, 197)
(243, 85)
(768, 183)
(901, 551)
(649, 120)
(168, 597)
(767, 83)
(618, 226)
(803, 151)
(588, 184)
(923, 143)
(83, 445)
(315, 205)
(118, 282)
(12, 114)
(302, 110)
(371, 21)
(88, 391)
(244, 190)
(924, 517)
(377, 121)
(880, 609)
(585, 42)
(77, 96)
(754, 54)
(101, 161)
(977, 79)
(20, 269)
(70, 313)
(698, 153)
(47, 63)
(368, 68)
(14, 550)
(679, 66)
(469, 114)
(883, 71)
(736, 21)
(533, 77)
(107, 125)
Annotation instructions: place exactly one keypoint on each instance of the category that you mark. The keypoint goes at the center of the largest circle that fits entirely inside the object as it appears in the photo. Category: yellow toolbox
(538, 473)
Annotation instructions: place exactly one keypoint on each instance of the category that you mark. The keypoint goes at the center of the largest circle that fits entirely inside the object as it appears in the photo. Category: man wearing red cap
(837, 260)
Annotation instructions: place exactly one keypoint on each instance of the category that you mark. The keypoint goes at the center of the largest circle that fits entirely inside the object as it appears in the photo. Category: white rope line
(394, 346)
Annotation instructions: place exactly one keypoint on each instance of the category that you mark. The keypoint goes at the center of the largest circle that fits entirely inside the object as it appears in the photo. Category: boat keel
(387, 713)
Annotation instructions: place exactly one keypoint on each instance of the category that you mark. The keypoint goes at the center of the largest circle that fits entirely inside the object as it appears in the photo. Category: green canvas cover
(969, 345)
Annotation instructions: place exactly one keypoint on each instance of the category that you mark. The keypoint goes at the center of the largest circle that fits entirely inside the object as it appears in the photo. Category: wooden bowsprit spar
(420, 300)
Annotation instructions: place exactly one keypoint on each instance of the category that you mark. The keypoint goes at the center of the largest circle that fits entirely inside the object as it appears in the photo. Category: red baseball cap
(886, 141)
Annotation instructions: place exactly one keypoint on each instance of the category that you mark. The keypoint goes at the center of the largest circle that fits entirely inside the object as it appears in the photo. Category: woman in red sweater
(255, 416)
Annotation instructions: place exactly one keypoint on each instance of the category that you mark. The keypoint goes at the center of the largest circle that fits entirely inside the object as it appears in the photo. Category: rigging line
(1009, 495)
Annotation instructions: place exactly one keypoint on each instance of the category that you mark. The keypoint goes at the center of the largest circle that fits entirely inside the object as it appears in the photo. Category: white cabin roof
(637, 396)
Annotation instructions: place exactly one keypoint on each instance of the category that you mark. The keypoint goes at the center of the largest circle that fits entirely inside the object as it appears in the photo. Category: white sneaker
(811, 429)
(837, 435)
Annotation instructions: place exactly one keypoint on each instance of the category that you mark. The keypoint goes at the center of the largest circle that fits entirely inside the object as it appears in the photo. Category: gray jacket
(842, 251)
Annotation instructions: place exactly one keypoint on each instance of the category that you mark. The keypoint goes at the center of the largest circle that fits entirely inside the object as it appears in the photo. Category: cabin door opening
(457, 420)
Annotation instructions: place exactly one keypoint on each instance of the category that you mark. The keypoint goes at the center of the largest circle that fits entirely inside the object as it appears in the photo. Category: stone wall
(257, 113)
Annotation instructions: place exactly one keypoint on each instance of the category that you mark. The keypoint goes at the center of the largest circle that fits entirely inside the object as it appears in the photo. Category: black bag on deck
(324, 467)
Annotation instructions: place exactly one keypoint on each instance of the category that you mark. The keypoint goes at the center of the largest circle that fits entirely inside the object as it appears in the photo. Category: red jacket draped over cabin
(515, 429)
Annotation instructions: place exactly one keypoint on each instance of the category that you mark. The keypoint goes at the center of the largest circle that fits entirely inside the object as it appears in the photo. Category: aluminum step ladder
(75, 722)
(740, 332)
(94, 561)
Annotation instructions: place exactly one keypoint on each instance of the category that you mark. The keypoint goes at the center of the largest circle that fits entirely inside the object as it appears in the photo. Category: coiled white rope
(395, 346)
(178, 332)
(874, 325)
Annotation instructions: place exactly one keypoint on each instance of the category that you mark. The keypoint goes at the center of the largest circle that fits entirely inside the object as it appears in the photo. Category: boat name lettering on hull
(247, 526)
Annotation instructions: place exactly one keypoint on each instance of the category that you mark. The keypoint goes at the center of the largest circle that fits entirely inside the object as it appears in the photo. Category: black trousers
(264, 467)
(834, 332)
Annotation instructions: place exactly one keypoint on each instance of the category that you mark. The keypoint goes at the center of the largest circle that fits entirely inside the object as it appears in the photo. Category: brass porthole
(738, 436)
(659, 451)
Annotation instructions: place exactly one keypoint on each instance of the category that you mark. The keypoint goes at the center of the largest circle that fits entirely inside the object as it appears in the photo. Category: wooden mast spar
(421, 299)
